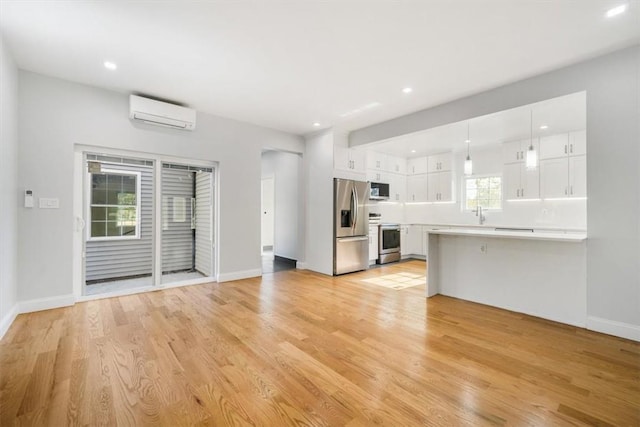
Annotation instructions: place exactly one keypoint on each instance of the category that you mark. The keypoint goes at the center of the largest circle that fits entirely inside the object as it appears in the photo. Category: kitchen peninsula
(540, 272)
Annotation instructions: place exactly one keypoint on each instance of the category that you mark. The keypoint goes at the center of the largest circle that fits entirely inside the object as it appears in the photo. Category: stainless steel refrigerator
(350, 226)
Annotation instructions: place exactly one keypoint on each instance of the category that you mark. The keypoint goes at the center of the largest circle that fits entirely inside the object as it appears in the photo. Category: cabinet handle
(565, 191)
(565, 149)
(522, 192)
(571, 148)
(571, 189)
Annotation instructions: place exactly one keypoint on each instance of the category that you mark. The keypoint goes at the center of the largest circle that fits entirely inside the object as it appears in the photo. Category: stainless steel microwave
(379, 191)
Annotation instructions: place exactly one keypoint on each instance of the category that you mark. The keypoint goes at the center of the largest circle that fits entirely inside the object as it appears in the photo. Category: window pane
(485, 192)
(112, 228)
(112, 214)
(126, 217)
(129, 184)
(98, 214)
(98, 189)
(119, 191)
(114, 186)
(126, 198)
(98, 229)
(128, 231)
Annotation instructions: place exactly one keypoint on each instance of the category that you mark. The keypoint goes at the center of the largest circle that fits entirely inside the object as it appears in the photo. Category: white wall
(318, 167)
(9, 196)
(612, 84)
(563, 214)
(55, 114)
(286, 169)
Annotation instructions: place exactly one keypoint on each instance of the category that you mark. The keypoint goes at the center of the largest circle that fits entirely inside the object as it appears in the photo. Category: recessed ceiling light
(110, 65)
(316, 124)
(616, 10)
(543, 127)
(407, 90)
(467, 141)
(413, 151)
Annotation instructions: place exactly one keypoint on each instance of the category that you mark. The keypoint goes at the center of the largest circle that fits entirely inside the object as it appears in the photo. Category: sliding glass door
(148, 222)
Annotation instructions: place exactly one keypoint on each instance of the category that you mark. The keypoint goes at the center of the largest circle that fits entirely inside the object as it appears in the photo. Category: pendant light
(468, 164)
(532, 156)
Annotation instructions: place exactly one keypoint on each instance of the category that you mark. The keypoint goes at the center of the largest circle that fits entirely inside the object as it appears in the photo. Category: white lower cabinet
(404, 240)
(373, 244)
(411, 240)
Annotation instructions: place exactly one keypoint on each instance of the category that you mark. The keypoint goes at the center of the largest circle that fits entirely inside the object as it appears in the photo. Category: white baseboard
(301, 265)
(46, 303)
(8, 319)
(615, 328)
(237, 275)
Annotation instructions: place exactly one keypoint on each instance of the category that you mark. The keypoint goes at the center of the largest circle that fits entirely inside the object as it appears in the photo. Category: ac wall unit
(161, 113)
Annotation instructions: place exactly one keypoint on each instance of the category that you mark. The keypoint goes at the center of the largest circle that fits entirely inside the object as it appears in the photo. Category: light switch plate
(46, 203)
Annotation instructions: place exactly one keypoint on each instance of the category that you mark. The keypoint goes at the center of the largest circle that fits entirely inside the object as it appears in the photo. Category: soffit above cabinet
(562, 114)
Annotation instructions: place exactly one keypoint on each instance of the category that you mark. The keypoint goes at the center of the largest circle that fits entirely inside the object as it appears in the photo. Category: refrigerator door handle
(354, 209)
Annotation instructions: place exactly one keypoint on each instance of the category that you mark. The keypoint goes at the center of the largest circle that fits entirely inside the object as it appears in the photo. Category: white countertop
(508, 234)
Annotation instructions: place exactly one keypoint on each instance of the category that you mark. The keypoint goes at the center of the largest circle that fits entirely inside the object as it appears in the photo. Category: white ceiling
(562, 114)
(287, 64)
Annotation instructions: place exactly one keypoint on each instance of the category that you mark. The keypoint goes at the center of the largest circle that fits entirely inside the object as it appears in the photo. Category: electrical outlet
(483, 248)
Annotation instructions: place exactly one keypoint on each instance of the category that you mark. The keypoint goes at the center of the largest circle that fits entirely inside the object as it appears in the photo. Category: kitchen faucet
(481, 217)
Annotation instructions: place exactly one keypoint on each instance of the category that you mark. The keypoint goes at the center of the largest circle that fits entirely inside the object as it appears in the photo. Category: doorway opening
(280, 210)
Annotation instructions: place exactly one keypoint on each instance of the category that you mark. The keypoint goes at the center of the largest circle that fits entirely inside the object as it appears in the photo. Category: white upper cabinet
(417, 166)
(440, 187)
(554, 178)
(376, 161)
(516, 151)
(578, 176)
(562, 145)
(378, 176)
(439, 162)
(416, 188)
(520, 183)
(396, 165)
(577, 143)
(397, 187)
(554, 146)
(348, 159)
(513, 152)
(563, 177)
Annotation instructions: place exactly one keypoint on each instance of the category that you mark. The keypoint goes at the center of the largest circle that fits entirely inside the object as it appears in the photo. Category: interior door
(204, 223)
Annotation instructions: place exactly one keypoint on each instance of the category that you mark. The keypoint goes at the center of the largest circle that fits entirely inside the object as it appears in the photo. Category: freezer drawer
(351, 254)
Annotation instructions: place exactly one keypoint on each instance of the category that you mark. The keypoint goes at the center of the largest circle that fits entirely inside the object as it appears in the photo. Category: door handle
(354, 195)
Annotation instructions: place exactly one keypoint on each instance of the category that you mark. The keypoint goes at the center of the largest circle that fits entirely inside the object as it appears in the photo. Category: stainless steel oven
(388, 243)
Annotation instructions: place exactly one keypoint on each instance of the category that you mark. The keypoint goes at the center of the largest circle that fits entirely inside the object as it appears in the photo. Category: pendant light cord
(468, 139)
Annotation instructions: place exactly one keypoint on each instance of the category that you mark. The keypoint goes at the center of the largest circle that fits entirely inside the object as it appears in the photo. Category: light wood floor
(297, 348)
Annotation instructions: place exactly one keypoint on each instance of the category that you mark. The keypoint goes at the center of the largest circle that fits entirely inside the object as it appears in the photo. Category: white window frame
(490, 175)
(137, 235)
